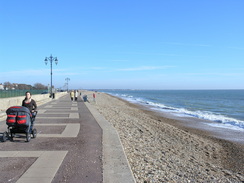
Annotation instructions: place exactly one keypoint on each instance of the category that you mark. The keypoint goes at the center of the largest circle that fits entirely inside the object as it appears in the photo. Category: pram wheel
(28, 137)
(5, 136)
(34, 133)
(12, 135)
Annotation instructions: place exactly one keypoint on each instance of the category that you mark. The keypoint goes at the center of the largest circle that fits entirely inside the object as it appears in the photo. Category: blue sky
(157, 44)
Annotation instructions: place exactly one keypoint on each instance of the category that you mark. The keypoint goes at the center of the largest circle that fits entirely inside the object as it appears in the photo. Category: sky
(123, 44)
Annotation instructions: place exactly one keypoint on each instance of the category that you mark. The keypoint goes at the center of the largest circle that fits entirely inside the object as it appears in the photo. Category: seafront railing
(16, 93)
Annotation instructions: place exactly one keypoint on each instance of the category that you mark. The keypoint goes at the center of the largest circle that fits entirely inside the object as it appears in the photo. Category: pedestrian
(94, 97)
(29, 102)
(76, 94)
(72, 95)
(53, 92)
(31, 105)
(85, 98)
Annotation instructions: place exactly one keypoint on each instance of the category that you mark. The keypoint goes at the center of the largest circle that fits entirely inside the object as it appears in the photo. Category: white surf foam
(206, 115)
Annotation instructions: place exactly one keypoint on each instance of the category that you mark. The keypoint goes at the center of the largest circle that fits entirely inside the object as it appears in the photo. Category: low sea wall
(5, 103)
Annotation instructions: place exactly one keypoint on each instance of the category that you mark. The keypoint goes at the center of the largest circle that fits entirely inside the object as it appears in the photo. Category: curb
(116, 167)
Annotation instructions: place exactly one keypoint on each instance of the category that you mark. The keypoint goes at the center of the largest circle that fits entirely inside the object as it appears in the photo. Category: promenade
(74, 144)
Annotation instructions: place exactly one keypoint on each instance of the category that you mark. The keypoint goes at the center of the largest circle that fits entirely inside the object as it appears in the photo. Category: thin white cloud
(237, 48)
(147, 53)
(37, 72)
(98, 68)
(186, 44)
(120, 60)
(144, 68)
(68, 74)
(212, 74)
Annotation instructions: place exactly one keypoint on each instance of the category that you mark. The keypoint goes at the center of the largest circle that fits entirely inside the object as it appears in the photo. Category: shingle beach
(159, 150)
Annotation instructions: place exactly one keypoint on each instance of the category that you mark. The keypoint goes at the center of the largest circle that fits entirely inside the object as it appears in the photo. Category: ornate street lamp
(51, 59)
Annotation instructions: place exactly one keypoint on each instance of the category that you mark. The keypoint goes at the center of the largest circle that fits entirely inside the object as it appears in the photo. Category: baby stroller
(20, 120)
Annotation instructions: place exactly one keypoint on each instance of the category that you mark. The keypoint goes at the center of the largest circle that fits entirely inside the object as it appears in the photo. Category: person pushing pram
(20, 119)
(30, 103)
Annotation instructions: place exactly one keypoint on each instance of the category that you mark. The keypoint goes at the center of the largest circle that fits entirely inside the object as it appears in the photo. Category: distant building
(15, 86)
(1, 86)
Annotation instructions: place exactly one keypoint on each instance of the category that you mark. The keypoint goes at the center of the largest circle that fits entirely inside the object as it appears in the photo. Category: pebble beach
(159, 150)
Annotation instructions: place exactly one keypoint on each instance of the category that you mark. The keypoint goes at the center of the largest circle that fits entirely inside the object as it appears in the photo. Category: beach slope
(159, 150)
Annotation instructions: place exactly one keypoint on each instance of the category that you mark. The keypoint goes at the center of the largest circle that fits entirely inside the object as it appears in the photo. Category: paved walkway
(74, 144)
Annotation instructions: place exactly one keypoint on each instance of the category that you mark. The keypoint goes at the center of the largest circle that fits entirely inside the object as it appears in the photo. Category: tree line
(17, 86)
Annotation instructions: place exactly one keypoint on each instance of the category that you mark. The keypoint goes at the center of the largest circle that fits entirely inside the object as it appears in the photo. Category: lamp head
(46, 60)
(56, 61)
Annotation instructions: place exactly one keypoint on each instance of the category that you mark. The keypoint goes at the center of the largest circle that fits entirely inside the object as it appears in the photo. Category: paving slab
(71, 130)
(43, 169)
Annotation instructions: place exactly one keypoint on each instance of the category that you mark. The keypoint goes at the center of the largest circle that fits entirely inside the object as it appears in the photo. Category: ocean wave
(206, 115)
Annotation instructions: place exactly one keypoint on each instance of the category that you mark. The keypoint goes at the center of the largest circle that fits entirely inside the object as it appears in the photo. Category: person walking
(76, 95)
(72, 95)
(31, 105)
(29, 102)
(94, 97)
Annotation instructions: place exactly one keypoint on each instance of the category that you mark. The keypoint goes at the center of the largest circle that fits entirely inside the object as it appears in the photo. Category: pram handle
(34, 113)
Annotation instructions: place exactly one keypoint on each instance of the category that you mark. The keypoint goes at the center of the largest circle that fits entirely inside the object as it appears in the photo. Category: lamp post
(51, 59)
(67, 82)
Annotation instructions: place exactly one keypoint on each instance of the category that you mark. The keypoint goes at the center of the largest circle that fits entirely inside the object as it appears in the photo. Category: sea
(223, 107)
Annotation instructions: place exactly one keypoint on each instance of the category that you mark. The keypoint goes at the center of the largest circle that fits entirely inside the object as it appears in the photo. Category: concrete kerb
(116, 167)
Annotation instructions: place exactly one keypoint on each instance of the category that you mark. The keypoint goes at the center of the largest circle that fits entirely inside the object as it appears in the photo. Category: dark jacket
(31, 106)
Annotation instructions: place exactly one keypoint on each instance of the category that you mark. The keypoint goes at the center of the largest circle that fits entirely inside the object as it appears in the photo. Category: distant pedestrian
(94, 97)
(72, 94)
(85, 98)
(76, 94)
(53, 92)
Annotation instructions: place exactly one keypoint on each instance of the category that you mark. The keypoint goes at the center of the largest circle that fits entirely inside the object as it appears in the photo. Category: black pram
(20, 120)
